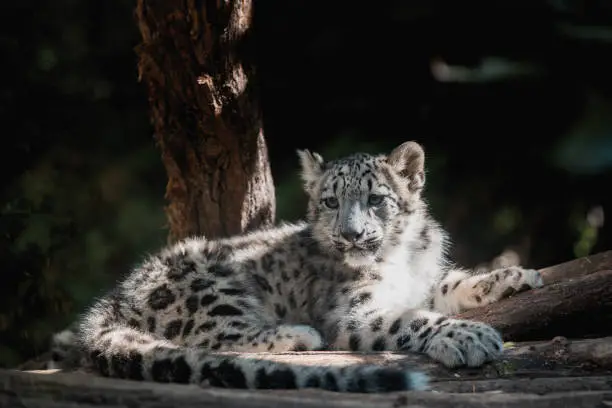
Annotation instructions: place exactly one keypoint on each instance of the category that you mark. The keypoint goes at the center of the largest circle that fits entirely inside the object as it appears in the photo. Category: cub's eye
(375, 199)
(331, 202)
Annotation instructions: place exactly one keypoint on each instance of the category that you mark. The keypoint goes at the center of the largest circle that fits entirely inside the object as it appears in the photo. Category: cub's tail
(123, 352)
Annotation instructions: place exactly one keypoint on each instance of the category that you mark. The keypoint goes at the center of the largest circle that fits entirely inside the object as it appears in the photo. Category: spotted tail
(123, 352)
(180, 365)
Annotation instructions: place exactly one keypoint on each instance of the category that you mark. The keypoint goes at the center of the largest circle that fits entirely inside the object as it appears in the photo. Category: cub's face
(360, 203)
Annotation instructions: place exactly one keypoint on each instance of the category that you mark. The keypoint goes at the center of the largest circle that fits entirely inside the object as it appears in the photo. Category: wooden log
(574, 373)
(576, 301)
(19, 389)
(578, 267)
(540, 386)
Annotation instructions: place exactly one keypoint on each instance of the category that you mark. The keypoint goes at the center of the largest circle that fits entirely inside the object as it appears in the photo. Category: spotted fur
(366, 272)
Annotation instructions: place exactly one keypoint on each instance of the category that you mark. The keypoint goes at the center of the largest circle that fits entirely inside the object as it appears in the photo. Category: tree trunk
(206, 115)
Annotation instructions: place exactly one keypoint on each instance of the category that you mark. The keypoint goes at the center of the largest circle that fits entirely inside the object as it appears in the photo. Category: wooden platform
(557, 373)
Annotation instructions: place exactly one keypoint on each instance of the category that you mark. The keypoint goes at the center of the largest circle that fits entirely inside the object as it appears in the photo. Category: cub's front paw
(465, 343)
(519, 279)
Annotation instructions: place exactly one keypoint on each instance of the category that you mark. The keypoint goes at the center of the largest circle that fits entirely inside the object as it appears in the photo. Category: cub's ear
(312, 166)
(408, 159)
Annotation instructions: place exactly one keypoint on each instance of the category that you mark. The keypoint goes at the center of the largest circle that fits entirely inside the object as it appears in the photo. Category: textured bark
(578, 267)
(576, 301)
(539, 386)
(572, 373)
(55, 391)
(206, 115)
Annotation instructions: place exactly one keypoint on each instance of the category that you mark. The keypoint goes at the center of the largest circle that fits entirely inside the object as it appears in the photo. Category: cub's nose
(352, 235)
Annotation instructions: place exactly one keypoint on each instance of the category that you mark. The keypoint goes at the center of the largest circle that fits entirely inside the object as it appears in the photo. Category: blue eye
(375, 199)
(331, 202)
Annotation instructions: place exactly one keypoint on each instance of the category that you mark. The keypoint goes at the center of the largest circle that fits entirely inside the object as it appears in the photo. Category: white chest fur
(406, 282)
(409, 274)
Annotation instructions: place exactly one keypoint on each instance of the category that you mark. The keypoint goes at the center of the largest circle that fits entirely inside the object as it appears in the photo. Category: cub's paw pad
(465, 343)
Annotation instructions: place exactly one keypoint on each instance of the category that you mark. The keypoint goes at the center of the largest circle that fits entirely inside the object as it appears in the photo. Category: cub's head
(361, 204)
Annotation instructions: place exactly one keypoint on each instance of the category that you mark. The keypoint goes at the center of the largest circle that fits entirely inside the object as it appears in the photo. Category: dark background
(518, 133)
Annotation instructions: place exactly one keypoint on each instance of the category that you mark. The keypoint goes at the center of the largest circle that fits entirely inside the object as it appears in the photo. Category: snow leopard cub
(366, 272)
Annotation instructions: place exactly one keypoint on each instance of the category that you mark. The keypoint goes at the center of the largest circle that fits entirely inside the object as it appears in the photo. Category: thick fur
(366, 272)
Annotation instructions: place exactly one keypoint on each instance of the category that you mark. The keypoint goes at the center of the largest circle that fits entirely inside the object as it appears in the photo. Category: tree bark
(577, 267)
(206, 115)
(576, 301)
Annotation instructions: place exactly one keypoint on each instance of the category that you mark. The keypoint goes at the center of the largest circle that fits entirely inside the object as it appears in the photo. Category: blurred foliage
(518, 163)
(83, 195)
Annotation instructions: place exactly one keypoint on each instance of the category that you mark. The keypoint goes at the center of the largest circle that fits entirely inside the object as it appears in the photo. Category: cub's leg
(248, 333)
(460, 291)
(273, 339)
(452, 342)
